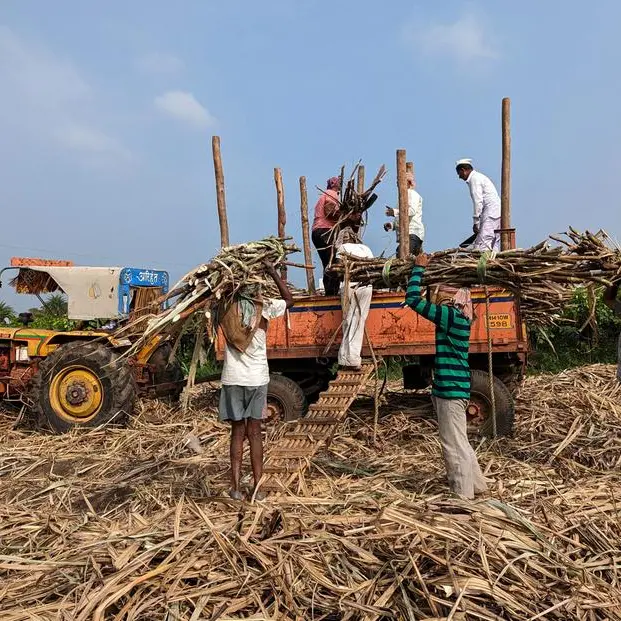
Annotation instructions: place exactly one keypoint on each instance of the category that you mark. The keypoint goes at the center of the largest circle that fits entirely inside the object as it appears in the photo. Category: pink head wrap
(334, 183)
(461, 299)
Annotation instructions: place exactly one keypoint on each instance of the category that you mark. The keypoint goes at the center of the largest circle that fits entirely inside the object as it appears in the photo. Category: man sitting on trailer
(245, 375)
(451, 311)
(355, 302)
(415, 213)
(610, 299)
(486, 205)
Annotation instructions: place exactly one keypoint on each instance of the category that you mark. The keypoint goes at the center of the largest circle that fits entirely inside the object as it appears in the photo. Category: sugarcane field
(294, 357)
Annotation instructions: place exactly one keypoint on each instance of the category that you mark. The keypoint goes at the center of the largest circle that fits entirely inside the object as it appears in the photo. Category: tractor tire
(82, 385)
(285, 399)
(166, 372)
(479, 410)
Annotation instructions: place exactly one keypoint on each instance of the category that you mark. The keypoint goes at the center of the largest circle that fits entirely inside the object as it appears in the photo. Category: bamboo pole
(282, 214)
(404, 220)
(220, 195)
(505, 182)
(360, 179)
(308, 257)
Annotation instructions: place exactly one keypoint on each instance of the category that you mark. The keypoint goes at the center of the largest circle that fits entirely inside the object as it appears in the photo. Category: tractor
(80, 377)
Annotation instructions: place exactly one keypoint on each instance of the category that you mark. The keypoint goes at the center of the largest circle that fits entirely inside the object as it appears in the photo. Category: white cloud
(183, 106)
(159, 64)
(46, 97)
(466, 40)
(90, 140)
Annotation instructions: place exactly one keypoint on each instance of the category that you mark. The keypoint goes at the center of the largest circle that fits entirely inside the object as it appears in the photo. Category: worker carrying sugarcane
(327, 223)
(416, 227)
(355, 301)
(245, 374)
(610, 299)
(451, 312)
(485, 203)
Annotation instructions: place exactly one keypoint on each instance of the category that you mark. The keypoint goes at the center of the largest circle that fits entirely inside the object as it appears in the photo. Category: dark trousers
(416, 245)
(325, 249)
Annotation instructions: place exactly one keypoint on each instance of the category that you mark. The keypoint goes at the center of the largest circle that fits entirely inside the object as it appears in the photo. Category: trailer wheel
(82, 385)
(285, 399)
(479, 411)
(166, 373)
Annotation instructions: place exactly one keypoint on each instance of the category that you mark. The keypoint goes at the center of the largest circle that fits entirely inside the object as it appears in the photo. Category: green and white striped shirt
(451, 376)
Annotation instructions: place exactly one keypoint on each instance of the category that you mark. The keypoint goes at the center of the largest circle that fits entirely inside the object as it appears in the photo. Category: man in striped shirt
(451, 312)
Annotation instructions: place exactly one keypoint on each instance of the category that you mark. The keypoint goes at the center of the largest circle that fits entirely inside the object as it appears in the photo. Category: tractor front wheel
(82, 385)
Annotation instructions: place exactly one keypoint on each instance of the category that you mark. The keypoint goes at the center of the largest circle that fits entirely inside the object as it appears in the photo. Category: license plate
(500, 321)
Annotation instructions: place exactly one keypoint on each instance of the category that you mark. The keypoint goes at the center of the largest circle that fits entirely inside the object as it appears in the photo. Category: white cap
(465, 161)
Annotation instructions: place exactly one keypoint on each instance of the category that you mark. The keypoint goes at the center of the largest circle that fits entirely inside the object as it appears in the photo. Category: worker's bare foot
(346, 368)
(235, 494)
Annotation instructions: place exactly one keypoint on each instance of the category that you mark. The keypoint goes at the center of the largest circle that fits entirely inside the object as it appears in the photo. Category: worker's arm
(476, 193)
(610, 299)
(285, 294)
(438, 314)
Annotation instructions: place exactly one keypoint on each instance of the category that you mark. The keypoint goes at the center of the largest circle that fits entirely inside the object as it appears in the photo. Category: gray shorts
(241, 402)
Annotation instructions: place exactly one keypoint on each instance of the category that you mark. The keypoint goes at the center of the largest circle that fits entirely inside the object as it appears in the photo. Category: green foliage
(52, 315)
(566, 345)
(7, 314)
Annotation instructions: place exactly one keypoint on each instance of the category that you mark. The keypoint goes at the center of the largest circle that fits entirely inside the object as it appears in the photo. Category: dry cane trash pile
(134, 523)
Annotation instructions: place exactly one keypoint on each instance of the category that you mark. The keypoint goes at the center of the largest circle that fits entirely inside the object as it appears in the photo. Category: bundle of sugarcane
(543, 276)
(354, 201)
(234, 268)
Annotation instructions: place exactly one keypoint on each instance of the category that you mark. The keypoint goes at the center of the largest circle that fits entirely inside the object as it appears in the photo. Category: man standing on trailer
(245, 374)
(486, 205)
(610, 299)
(451, 312)
(415, 214)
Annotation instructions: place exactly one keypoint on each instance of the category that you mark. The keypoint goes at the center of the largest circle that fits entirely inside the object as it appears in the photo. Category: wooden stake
(308, 257)
(360, 179)
(282, 214)
(505, 182)
(404, 220)
(220, 195)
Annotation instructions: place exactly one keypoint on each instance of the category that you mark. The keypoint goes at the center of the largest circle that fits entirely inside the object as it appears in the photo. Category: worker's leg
(416, 245)
(323, 244)
(487, 238)
(257, 400)
(456, 449)
(238, 433)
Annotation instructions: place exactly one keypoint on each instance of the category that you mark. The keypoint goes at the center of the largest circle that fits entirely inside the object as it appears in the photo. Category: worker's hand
(269, 267)
(390, 211)
(387, 226)
(422, 260)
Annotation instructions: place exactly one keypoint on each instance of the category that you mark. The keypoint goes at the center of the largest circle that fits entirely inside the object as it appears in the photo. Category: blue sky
(108, 108)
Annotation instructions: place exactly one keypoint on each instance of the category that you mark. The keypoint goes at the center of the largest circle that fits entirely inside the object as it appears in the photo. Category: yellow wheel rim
(76, 394)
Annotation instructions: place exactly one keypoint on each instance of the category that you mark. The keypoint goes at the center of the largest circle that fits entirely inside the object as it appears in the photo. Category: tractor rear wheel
(285, 399)
(82, 385)
(479, 410)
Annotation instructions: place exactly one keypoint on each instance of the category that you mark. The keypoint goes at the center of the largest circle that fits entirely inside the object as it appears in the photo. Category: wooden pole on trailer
(360, 189)
(505, 182)
(308, 257)
(404, 220)
(282, 214)
(220, 195)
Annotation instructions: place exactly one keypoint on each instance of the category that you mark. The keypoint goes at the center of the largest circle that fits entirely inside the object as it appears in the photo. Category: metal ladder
(290, 454)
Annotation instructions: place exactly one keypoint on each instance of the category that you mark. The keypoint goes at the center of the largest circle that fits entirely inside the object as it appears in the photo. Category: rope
(490, 362)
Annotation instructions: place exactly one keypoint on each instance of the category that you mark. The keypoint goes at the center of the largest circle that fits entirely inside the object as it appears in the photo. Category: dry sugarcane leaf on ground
(543, 276)
(135, 524)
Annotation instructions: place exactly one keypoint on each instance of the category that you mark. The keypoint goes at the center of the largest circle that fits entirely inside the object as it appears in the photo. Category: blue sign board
(132, 277)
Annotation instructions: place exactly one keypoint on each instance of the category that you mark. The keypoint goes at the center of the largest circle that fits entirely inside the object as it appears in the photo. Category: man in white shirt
(355, 302)
(245, 375)
(485, 203)
(415, 213)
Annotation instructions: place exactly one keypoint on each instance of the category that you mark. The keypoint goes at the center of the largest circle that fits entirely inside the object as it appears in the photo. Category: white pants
(354, 321)
(462, 467)
(486, 238)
